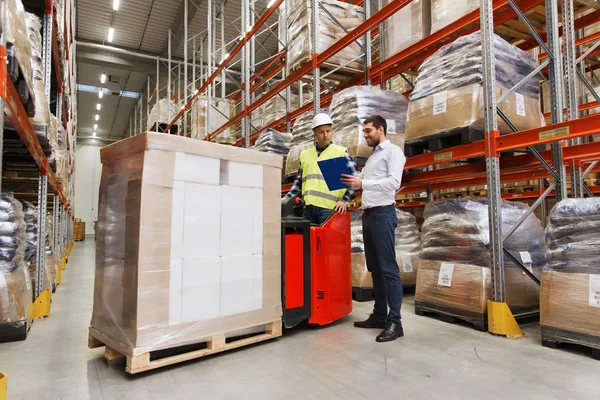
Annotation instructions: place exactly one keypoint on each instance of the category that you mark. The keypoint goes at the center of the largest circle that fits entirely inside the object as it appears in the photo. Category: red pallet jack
(316, 265)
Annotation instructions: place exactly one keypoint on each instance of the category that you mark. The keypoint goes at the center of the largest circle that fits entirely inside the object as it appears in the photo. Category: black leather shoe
(372, 322)
(391, 332)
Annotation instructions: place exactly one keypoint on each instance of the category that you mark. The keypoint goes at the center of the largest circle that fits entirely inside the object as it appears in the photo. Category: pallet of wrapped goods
(220, 112)
(16, 307)
(161, 115)
(446, 105)
(445, 12)
(407, 246)
(454, 277)
(302, 139)
(188, 256)
(274, 142)
(570, 290)
(350, 107)
(409, 25)
(300, 31)
(78, 230)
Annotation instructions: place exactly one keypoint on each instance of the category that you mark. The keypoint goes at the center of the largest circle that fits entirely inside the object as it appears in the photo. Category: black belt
(371, 209)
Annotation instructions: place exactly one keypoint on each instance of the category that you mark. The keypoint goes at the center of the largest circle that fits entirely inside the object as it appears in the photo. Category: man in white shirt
(379, 181)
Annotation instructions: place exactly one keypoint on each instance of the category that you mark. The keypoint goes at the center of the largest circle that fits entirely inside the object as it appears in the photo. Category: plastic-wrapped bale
(350, 107)
(50, 253)
(454, 276)
(448, 94)
(225, 109)
(17, 38)
(444, 12)
(162, 113)
(172, 265)
(570, 291)
(407, 26)
(361, 277)
(408, 246)
(274, 142)
(16, 306)
(300, 26)
(41, 118)
(30, 214)
(302, 139)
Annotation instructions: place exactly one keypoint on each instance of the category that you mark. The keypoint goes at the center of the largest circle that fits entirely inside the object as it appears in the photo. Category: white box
(235, 173)
(176, 290)
(241, 284)
(241, 220)
(202, 221)
(197, 169)
(177, 219)
(201, 289)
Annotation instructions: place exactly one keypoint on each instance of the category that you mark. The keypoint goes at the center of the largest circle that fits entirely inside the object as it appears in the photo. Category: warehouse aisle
(435, 360)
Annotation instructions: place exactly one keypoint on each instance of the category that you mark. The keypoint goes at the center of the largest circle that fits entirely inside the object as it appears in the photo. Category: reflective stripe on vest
(314, 188)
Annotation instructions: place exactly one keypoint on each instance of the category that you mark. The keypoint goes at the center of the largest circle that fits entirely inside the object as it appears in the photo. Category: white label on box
(445, 276)
(595, 290)
(525, 257)
(520, 104)
(439, 103)
(391, 126)
(406, 263)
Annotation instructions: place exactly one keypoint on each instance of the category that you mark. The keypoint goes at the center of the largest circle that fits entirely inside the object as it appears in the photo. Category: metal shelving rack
(571, 155)
(15, 112)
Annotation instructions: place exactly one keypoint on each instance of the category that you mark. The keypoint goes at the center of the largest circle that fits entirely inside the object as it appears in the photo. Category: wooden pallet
(553, 338)
(477, 321)
(161, 358)
(363, 294)
(443, 140)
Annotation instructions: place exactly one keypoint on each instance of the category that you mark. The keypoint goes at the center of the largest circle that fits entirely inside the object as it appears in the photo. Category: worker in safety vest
(318, 199)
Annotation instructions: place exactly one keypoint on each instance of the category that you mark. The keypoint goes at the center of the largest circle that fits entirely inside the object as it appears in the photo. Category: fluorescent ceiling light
(96, 89)
(268, 5)
(111, 33)
(102, 78)
(98, 106)
(100, 92)
(94, 134)
(97, 117)
(95, 126)
(116, 5)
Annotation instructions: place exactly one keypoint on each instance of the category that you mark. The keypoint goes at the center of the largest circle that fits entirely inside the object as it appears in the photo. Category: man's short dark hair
(377, 122)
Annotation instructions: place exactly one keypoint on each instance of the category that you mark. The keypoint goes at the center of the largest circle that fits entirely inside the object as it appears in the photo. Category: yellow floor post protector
(501, 320)
(41, 307)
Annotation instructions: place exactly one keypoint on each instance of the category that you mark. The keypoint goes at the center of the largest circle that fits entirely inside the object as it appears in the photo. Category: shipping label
(445, 276)
(520, 104)
(439, 103)
(594, 290)
(406, 263)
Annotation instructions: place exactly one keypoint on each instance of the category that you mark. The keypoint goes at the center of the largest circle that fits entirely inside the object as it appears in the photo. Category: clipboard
(332, 171)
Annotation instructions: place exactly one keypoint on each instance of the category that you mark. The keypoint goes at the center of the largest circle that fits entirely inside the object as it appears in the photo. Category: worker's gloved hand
(341, 207)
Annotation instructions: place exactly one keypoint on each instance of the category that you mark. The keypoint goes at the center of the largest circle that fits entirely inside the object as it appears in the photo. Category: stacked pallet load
(274, 109)
(274, 142)
(220, 112)
(454, 277)
(445, 12)
(407, 246)
(161, 115)
(16, 307)
(30, 219)
(18, 48)
(174, 263)
(446, 106)
(350, 107)
(51, 255)
(78, 230)
(302, 139)
(409, 25)
(300, 31)
(570, 291)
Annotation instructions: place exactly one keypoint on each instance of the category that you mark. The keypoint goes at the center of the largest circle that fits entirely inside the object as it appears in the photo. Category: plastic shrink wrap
(220, 113)
(350, 107)
(302, 139)
(162, 112)
(30, 213)
(444, 12)
(41, 118)
(274, 142)
(407, 26)
(454, 273)
(172, 265)
(570, 291)
(16, 307)
(299, 23)
(408, 245)
(51, 255)
(17, 38)
(448, 93)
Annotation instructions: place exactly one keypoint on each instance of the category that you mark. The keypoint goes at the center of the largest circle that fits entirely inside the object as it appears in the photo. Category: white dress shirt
(382, 175)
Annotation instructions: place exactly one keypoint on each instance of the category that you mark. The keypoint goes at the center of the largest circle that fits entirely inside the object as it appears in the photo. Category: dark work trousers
(316, 215)
(379, 226)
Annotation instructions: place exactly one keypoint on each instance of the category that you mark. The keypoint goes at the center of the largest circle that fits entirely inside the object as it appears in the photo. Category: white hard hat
(321, 119)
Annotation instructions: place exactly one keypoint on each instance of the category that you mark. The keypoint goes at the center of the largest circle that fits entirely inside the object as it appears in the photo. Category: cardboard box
(16, 308)
(407, 26)
(189, 242)
(361, 277)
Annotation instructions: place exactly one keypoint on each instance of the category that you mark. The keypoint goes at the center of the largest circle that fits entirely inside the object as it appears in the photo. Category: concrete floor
(435, 360)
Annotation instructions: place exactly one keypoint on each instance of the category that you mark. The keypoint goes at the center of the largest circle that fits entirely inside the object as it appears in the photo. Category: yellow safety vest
(314, 188)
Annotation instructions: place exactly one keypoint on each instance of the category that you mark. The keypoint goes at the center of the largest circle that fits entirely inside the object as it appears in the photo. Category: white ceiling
(142, 26)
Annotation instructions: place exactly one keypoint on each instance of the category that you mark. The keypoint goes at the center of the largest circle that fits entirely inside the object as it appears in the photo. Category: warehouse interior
(214, 225)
